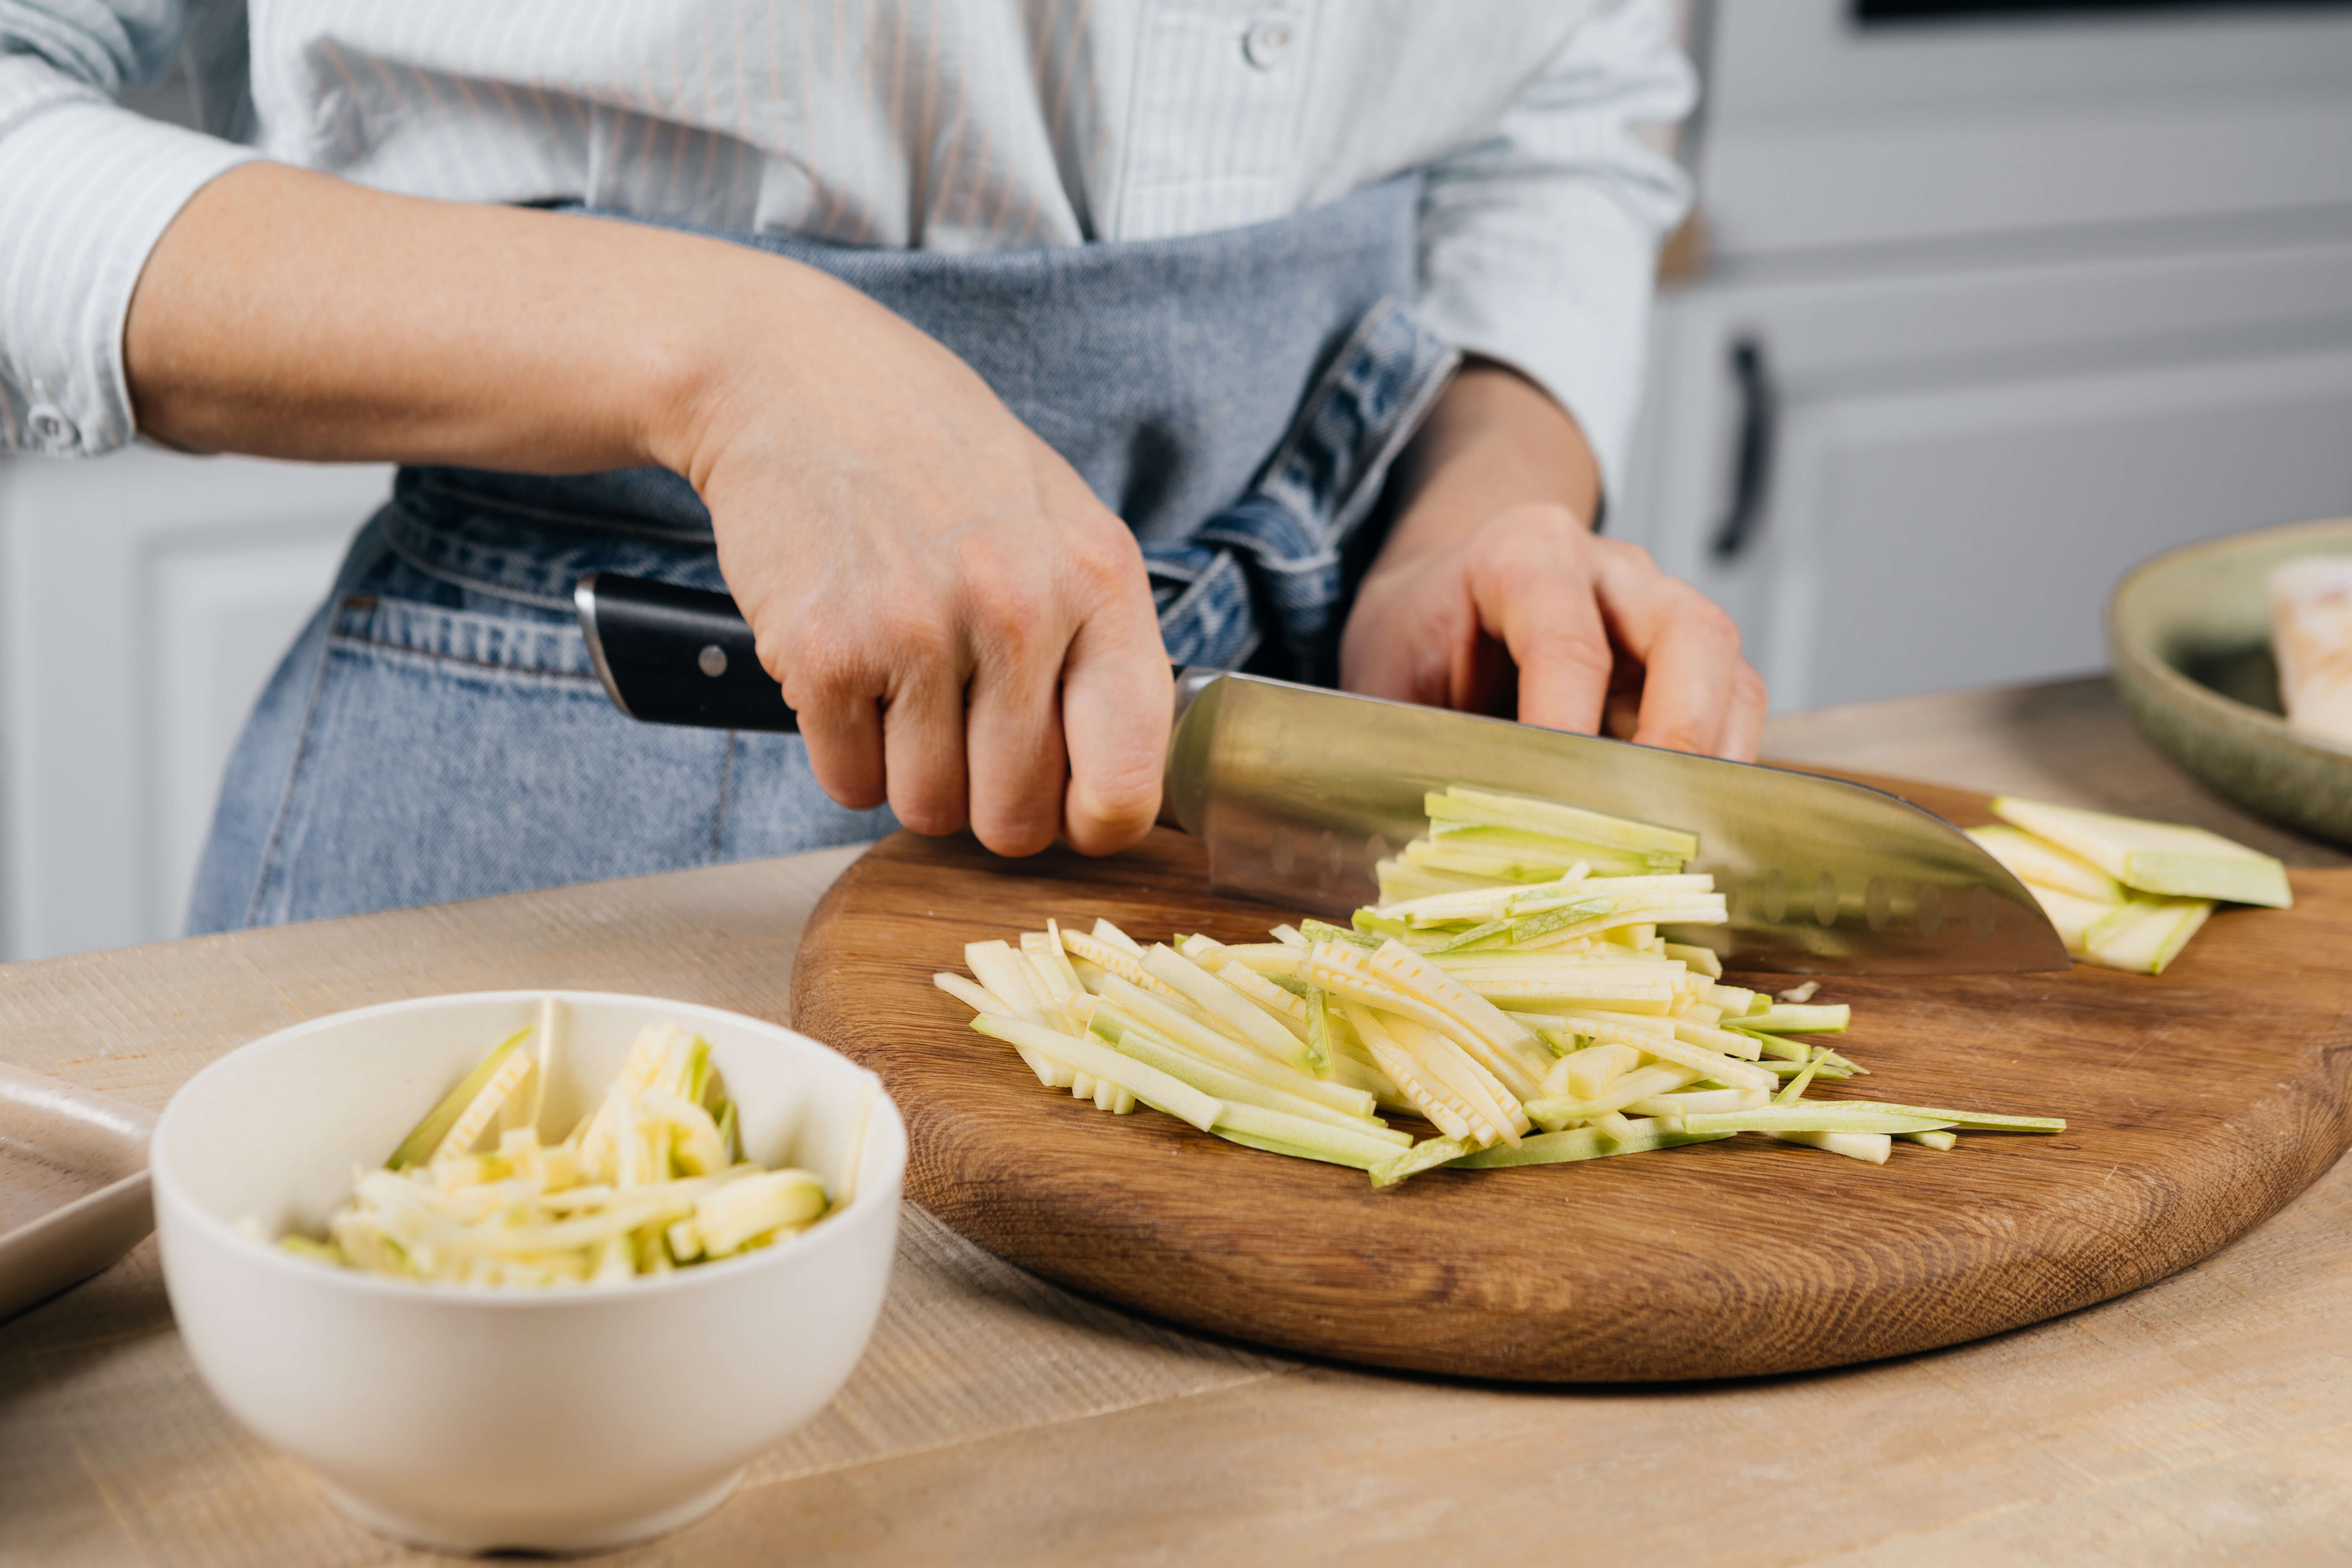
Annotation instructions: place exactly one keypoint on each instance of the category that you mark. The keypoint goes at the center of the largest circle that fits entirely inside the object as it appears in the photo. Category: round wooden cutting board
(2197, 1103)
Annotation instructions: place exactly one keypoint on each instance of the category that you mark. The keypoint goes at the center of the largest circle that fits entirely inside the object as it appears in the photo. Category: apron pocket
(445, 755)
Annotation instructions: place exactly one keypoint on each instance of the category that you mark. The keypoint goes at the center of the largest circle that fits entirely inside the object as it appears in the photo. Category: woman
(993, 355)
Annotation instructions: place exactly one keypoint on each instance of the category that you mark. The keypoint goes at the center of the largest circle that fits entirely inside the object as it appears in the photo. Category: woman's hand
(962, 626)
(1491, 593)
(965, 630)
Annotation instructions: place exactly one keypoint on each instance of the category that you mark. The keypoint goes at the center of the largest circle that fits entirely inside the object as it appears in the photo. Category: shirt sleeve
(1538, 244)
(86, 190)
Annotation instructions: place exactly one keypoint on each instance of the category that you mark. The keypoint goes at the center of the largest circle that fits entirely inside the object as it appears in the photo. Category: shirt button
(1269, 41)
(52, 431)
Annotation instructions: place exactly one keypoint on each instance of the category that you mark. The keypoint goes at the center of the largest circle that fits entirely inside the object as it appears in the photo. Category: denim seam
(269, 847)
(360, 640)
(1324, 559)
(1349, 366)
(1374, 478)
(1335, 375)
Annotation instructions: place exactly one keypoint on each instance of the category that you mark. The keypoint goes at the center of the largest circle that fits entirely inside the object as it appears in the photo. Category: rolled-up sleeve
(86, 190)
(1538, 243)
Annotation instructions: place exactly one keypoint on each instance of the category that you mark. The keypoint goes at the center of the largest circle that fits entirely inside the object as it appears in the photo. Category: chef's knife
(1298, 792)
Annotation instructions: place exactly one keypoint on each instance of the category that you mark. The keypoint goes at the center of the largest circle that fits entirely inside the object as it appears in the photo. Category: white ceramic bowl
(472, 1420)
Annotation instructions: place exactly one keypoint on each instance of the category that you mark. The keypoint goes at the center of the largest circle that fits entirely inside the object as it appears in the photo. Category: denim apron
(437, 732)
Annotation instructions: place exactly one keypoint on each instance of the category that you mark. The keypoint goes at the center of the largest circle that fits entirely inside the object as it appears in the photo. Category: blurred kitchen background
(1987, 301)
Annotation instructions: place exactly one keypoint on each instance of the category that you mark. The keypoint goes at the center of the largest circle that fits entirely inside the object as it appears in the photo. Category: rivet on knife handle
(668, 654)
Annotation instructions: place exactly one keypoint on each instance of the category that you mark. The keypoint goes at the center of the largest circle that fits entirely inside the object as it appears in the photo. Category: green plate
(2189, 637)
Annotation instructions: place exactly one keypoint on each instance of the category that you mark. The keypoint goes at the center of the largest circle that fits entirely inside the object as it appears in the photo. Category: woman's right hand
(965, 630)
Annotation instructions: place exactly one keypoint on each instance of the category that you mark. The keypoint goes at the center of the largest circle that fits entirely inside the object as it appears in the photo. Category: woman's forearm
(288, 314)
(1494, 440)
(935, 589)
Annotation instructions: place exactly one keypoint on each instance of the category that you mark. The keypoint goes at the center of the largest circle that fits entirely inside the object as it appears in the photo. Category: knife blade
(1298, 792)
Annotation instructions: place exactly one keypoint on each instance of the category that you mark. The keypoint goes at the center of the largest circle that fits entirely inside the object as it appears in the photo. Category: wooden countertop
(995, 1418)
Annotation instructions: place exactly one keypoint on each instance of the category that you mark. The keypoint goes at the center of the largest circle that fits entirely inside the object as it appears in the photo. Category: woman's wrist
(1493, 441)
(691, 356)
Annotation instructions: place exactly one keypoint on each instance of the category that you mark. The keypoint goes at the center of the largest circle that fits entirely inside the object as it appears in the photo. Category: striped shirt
(951, 125)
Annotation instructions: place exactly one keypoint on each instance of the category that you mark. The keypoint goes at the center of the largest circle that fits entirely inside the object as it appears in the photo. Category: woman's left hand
(1491, 594)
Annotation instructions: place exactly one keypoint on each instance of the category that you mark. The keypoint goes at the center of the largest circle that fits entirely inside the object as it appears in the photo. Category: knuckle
(1574, 649)
(927, 811)
(1689, 616)
(1631, 555)
(1100, 561)
(1002, 603)
(1708, 618)
(916, 636)
(1016, 629)
(814, 663)
(986, 564)
(857, 787)
(1120, 792)
(1015, 833)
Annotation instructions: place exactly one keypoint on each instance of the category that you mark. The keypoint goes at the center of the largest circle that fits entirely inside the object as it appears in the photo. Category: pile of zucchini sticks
(653, 1178)
(1511, 989)
(2123, 891)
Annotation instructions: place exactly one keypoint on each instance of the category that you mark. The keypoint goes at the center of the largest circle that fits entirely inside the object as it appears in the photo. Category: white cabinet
(1969, 535)
(147, 598)
(1997, 308)
(1963, 461)
(1821, 132)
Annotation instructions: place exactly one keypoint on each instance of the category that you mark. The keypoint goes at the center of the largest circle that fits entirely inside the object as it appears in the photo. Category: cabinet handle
(1752, 472)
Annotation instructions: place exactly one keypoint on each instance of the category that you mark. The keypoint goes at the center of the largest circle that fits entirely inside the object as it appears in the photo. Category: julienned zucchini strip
(1585, 1144)
(1512, 991)
(652, 1178)
(427, 1136)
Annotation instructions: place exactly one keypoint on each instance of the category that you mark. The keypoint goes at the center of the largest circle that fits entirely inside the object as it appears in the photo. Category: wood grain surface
(997, 1419)
(2198, 1104)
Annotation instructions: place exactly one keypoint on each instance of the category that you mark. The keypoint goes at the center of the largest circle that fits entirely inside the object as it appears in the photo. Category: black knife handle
(677, 655)
(680, 656)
